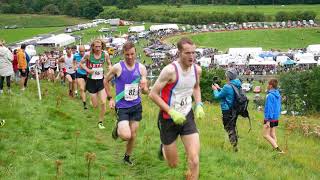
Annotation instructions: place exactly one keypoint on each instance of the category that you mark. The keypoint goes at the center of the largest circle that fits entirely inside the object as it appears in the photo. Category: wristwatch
(109, 98)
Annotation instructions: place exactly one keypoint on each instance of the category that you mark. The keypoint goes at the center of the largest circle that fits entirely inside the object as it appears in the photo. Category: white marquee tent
(253, 51)
(204, 61)
(58, 40)
(314, 49)
(304, 58)
(136, 29)
(164, 27)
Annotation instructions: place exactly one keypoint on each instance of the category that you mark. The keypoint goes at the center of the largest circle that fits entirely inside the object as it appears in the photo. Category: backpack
(240, 105)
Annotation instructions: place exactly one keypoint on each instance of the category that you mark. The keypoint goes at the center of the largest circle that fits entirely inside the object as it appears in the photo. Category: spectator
(226, 96)
(271, 114)
(6, 69)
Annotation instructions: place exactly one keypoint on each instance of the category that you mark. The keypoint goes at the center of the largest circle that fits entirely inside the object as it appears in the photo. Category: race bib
(183, 103)
(98, 73)
(70, 70)
(53, 63)
(131, 92)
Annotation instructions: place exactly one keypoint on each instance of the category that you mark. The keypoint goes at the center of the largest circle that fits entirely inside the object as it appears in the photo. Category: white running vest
(68, 61)
(181, 99)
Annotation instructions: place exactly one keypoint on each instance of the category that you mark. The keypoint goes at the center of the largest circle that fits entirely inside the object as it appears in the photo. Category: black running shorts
(73, 75)
(133, 113)
(23, 74)
(169, 131)
(83, 76)
(94, 85)
(272, 123)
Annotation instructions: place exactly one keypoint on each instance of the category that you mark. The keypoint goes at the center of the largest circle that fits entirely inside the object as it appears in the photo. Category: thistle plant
(90, 157)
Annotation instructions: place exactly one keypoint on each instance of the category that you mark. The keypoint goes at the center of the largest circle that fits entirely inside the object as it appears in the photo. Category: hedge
(164, 16)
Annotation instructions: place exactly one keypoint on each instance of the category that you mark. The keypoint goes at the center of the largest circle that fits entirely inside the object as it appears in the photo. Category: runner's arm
(107, 58)
(74, 63)
(165, 77)
(83, 60)
(196, 89)
(143, 81)
(111, 73)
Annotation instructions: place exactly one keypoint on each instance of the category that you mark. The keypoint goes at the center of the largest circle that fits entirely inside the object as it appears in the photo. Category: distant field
(33, 20)
(267, 39)
(266, 9)
(14, 35)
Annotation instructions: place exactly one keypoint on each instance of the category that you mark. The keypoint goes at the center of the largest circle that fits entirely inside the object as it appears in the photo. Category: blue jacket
(226, 94)
(272, 107)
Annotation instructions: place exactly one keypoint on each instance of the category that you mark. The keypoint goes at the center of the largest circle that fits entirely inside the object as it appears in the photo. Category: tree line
(78, 8)
(91, 8)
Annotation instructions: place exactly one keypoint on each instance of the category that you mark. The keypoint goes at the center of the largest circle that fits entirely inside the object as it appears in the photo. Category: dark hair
(273, 83)
(128, 45)
(23, 46)
(68, 48)
(183, 41)
(74, 47)
(15, 51)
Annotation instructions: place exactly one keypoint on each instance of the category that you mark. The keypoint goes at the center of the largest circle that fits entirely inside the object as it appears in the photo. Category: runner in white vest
(172, 92)
(70, 67)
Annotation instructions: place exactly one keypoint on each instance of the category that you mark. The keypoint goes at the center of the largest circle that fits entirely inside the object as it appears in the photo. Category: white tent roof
(303, 56)
(163, 27)
(314, 49)
(136, 29)
(261, 61)
(118, 41)
(58, 40)
(253, 51)
(204, 61)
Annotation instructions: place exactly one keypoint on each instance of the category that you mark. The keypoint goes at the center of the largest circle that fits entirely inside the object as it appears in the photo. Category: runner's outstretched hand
(177, 117)
(199, 112)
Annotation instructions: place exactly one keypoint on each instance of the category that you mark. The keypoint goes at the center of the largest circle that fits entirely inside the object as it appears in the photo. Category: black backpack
(240, 105)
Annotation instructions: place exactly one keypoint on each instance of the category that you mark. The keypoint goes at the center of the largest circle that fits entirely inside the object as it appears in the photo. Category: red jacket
(15, 63)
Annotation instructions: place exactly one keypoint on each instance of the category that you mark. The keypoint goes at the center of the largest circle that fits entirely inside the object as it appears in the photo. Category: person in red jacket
(15, 66)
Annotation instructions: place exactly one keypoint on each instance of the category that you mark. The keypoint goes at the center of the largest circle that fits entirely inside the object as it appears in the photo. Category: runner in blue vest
(95, 73)
(81, 75)
(130, 79)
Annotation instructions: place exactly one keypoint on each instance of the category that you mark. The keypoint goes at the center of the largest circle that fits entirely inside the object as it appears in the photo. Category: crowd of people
(174, 91)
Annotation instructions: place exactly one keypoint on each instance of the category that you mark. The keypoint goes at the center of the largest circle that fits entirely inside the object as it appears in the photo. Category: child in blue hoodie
(271, 114)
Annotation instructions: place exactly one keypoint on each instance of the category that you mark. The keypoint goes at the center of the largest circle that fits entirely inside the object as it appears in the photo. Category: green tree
(127, 4)
(90, 8)
(51, 9)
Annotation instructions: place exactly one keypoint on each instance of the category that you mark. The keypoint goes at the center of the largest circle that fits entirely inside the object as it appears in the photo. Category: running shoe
(2, 122)
(127, 161)
(101, 126)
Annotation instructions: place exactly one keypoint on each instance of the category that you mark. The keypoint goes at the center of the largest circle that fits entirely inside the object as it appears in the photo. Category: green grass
(14, 35)
(38, 133)
(38, 20)
(267, 39)
(266, 9)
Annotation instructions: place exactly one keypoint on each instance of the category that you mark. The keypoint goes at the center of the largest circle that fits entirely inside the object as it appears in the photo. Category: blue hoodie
(272, 107)
(226, 94)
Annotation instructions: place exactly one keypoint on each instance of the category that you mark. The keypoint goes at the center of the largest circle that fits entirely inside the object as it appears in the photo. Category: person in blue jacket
(226, 96)
(272, 113)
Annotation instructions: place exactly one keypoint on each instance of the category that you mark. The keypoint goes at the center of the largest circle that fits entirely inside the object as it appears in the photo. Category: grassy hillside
(267, 39)
(38, 133)
(14, 35)
(35, 20)
(266, 9)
